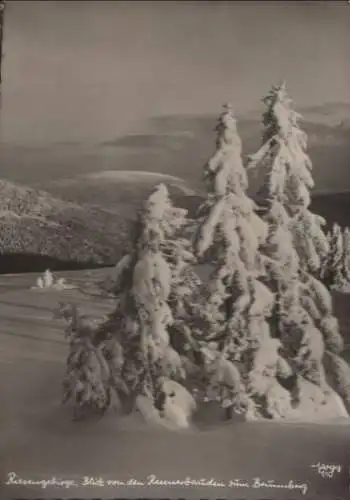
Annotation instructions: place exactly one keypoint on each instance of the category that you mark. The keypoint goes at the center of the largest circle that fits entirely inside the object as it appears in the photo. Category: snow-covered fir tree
(296, 244)
(91, 377)
(335, 272)
(159, 286)
(242, 361)
(153, 289)
(346, 254)
(175, 248)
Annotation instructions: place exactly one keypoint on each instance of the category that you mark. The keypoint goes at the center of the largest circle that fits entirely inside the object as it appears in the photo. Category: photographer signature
(327, 471)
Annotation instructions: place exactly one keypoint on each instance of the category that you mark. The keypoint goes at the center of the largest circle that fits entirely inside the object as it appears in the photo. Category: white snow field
(38, 439)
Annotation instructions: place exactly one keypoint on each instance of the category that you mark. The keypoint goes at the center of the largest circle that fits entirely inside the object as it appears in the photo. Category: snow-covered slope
(36, 223)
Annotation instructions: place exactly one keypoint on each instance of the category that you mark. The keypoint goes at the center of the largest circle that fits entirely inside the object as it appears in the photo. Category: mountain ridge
(34, 222)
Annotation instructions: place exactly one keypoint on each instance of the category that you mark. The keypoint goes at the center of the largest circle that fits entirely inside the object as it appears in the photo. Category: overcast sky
(91, 70)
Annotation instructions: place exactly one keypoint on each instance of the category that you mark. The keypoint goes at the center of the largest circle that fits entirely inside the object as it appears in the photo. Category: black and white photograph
(175, 249)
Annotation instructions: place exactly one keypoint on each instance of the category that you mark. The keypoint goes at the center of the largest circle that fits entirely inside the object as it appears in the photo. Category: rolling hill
(121, 190)
(37, 229)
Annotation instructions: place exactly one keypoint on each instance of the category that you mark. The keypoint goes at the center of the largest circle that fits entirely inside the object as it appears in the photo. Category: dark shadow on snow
(32, 263)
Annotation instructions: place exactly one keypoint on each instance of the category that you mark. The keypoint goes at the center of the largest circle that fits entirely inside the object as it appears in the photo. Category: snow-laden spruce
(153, 287)
(93, 368)
(296, 244)
(242, 360)
(156, 305)
(335, 271)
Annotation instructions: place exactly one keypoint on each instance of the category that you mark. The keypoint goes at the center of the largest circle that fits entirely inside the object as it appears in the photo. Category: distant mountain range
(178, 145)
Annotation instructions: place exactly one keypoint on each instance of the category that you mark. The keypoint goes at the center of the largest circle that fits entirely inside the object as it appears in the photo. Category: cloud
(171, 140)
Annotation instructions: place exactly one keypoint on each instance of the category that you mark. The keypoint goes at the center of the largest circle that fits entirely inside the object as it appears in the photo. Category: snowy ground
(38, 440)
(346, 289)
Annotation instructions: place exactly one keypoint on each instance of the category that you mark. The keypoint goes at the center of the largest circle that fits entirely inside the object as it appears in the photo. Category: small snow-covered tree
(151, 287)
(241, 359)
(334, 270)
(48, 279)
(296, 245)
(91, 375)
